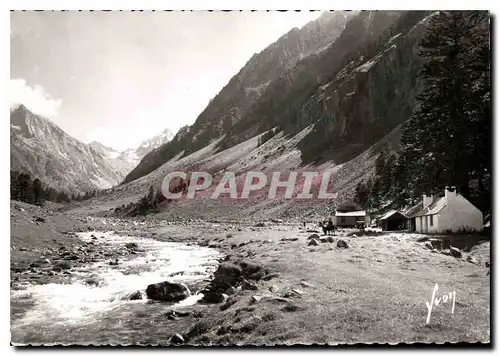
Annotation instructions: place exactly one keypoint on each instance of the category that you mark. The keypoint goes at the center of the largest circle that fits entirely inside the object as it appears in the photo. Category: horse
(327, 226)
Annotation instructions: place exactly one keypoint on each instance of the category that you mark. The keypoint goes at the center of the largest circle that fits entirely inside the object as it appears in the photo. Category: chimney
(427, 200)
(450, 193)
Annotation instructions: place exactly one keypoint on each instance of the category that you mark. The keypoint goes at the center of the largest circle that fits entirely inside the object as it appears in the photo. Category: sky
(122, 77)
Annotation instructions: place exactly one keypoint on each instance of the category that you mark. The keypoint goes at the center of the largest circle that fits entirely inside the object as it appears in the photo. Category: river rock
(313, 242)
(436, 243)
(274, 288)
(255, 298)
(227, 275)
(298, 291)
(247, 285)
(62, 265)
(290, 307)
(472, 260)
(231, 291)
(131, 245)
(177, 339)
(92, 282)
(429, 245)
(213, 297)
(135, 296)
(330, 239)
(270, 276)
(168, 292)
(252, 271)
(227, 304)
(455, 252)
(342, 244)
(313, 236)
(181, 313)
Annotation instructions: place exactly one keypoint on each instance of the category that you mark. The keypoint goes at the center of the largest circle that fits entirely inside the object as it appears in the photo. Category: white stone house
(451, 212)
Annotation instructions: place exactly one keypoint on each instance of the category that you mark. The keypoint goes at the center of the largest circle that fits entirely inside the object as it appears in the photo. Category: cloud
(36, 99)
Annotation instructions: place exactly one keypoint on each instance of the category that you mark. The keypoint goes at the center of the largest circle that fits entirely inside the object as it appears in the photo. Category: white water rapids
(78, 303)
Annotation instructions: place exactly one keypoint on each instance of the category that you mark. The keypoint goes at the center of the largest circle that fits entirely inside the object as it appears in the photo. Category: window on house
(431, 220)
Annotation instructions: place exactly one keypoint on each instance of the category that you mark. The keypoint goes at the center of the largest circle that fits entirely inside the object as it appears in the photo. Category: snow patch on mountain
(149, 145)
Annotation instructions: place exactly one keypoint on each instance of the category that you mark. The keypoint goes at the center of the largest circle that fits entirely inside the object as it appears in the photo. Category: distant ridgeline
(34, 191)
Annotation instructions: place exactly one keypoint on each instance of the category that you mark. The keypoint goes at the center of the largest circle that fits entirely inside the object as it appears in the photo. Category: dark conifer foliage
(447, 140)
(24, 188)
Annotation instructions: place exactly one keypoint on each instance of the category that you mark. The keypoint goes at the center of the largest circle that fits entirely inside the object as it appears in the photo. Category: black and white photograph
(250, 177)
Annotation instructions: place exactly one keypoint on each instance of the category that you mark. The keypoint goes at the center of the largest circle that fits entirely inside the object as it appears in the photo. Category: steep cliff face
(367, 98)
(280, 104)
(246, 88)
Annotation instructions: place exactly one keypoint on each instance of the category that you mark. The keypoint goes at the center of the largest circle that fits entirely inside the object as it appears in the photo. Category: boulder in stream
(167, 291)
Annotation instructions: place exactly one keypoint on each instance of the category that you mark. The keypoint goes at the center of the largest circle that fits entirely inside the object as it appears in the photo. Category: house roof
(437, 205)
(391, 213)
(410, 212)
(351, 213)
(348, 207)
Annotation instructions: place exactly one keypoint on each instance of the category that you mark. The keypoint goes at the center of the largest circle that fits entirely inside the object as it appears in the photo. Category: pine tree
(62, 197)
(25, 188)
(39, 192)
(15, 192)
(362, 195)
(51, 194)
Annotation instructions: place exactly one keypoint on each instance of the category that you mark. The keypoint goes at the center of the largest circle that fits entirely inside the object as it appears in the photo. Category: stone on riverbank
(63, 265)
(213, 297)
(342, 244)
(455, 252)
(313, 242)
(177, 339)
(227, 275)
(247, 285)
